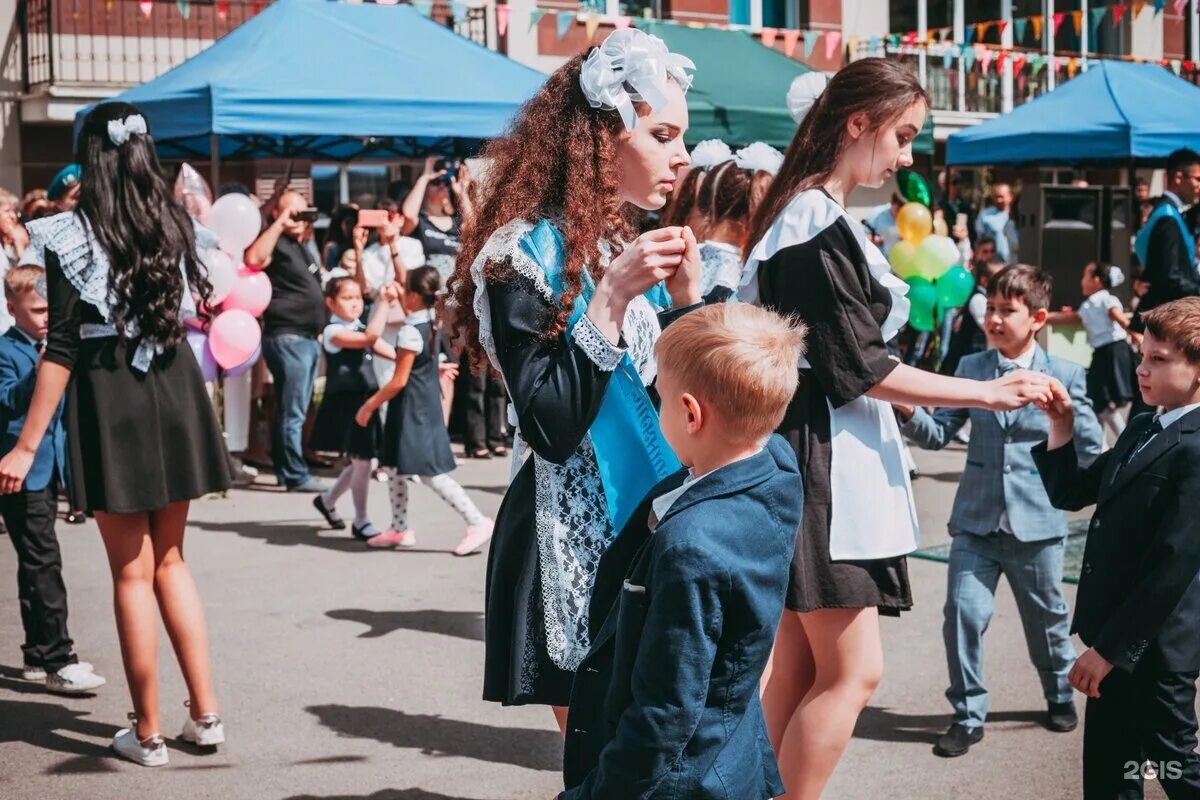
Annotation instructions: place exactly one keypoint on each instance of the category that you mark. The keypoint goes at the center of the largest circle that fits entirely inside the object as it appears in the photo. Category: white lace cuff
(596, 346)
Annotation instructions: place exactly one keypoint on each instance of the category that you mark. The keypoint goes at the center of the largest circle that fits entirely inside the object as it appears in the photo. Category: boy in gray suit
(1003, 521)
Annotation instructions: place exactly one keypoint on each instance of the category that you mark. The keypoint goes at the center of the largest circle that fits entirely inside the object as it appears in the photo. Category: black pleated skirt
(335, 431)
(1110, 378)
(140, 441)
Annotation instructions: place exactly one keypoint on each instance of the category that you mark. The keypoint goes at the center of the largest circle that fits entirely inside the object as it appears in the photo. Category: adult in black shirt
(291, 324)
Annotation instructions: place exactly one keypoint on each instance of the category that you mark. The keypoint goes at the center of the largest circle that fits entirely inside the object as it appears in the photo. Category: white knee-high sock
(453, 493)
(360, 485)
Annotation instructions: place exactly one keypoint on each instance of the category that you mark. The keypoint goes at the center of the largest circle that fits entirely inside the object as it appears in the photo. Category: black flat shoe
(481, 453)
(1062, 717)
(957, 741)
(76, 518)
(331, 516)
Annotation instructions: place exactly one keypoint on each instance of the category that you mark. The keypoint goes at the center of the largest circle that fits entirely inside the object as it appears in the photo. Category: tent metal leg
(215, 163)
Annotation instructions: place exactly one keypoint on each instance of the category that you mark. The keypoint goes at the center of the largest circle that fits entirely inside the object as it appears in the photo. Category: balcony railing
(113, 44)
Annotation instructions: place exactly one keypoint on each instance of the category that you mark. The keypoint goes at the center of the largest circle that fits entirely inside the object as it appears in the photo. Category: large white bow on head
(709, 153)
(632, 66)
(119, 130)
(759, 157)
(803, 93)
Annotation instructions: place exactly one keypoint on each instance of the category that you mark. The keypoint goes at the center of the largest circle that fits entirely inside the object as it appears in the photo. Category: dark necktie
(1143, 440)
(1006, 368)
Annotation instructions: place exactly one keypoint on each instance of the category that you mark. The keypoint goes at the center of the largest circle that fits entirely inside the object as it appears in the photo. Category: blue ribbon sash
(1141, 245)
(631, 452)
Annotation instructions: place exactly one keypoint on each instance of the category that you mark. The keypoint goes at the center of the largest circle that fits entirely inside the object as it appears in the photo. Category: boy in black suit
(665, 705)
(1138, 606)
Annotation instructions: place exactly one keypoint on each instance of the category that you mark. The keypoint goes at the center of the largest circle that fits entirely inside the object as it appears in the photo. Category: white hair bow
(759, 157)
(804, 91)
(631, 66)
(119, 130)
(709, 153)
(1116, 276)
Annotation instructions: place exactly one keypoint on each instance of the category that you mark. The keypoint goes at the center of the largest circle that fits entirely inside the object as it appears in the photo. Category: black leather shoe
(1062, 717)
(957, 740)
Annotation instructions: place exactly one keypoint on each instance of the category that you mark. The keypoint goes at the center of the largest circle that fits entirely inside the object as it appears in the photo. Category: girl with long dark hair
(560, 297)
(807, 256)
(122, 274)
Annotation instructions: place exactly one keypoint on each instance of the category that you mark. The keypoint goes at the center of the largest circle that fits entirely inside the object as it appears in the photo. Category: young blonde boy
(689, 595)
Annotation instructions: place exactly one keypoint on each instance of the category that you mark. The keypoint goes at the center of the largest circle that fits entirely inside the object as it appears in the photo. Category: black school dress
(349, 382)
(415, 440)
(137, 441)
(825, 279)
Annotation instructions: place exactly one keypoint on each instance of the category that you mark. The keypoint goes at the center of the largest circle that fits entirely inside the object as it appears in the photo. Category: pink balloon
(236, 221)
(233, 338)
(251, 293)
(246, 365)
(222, 273)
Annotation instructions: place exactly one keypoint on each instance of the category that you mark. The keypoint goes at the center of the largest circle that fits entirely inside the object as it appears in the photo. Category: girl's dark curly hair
(558, 160)
(128, 204)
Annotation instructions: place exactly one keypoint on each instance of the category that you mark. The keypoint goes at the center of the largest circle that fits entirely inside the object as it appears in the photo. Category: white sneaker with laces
(148, 752)
(74, 679)
(208, 731)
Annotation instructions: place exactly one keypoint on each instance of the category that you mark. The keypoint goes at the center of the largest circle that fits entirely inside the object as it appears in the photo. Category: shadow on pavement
(438, 736)
(287, 534)
(461, 624)
(882, 725)
(497, 490)
(46, 725)
(386, 794)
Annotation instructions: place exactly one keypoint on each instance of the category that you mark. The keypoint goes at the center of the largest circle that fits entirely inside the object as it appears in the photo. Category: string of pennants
(146, 7)
(1023, 26)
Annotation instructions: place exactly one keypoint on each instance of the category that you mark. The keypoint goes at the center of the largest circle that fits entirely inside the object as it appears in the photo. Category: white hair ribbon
(1116, 276)
(759, 157)
(709, 153)
(804, 91)
(632, 66)
(119, 130)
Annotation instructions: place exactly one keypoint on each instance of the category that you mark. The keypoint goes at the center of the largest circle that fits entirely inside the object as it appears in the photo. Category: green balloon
(954, 288)
(913, 187)
(922, 298)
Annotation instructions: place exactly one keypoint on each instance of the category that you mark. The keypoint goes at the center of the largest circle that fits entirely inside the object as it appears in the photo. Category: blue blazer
(1000, 474)
(665, 705)
(18, 375)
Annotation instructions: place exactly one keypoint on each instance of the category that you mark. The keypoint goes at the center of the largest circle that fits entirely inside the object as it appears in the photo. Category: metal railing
(113, 44)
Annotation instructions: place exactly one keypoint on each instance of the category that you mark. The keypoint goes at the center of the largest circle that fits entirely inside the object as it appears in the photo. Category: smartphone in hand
(307, 215)
(372, 218)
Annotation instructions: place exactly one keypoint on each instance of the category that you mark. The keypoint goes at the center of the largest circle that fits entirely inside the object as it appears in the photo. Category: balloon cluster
(233, 339)
(926, 258)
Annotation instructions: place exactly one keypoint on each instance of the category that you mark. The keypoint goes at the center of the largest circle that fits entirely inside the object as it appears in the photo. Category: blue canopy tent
(1115, 113)
(333, 81)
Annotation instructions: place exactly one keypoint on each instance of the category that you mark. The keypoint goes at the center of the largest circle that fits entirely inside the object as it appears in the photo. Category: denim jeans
(1034, 572)
(292, 360)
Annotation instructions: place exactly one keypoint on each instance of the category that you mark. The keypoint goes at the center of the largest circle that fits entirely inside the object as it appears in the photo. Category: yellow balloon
(914, 223)
(902, 257)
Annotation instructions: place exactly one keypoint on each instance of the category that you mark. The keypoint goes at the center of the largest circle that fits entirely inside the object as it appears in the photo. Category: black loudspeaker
(1063, 228)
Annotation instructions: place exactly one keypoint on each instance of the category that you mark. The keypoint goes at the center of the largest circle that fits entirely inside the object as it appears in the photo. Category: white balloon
(236, 221)
(222, 274)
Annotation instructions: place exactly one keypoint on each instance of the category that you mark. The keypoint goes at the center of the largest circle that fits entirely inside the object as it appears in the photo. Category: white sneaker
(74, 679)
(208, 731)
(38, 674)
(149, 752)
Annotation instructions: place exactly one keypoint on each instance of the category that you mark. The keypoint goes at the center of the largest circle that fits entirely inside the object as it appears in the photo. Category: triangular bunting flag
(1000, 26)
(832, 40)
(874, 43)
(1097, 19)
(1118, 12)
(810, 42)
(1036, 63)
(910, 38)
(222, 10)
(564, 20)
(768, 36)
(1058, 21)
(535, 17)
(620, 23)
(1176, 66)
(1077, 19)
(968, 56)
(1137, 8)
(185, 8)
(1189, 65)
(1001, 57)
(1036, 22)
(790, 38)
(502, 13)
(947, 59)
(1019, 28)
(1178, 7)
(969, 34)
(108, 4)
(1158, 6)
(893, 40)
(1072, 65)
(981, 30)
(1018, 63)
(985, 56)
(147, 7)
(591, 24)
